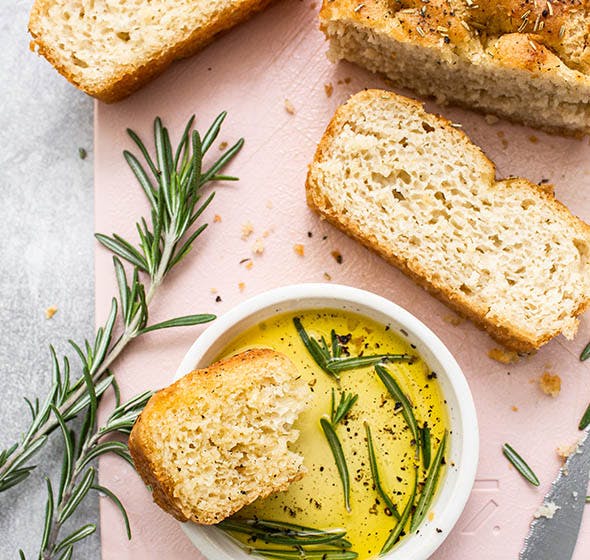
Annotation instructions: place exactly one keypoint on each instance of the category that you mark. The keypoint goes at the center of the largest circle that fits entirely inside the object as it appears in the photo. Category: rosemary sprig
(398, 395)
(585, 420)
(376, 476)
(585, 353)
(520, 464)
(318, 554)
(347, 400)
(396, 532)
(292, 541)
(173, 185)
(78, 477)
(278, 532)
(426, 445)
(330, 359)
(429, 489)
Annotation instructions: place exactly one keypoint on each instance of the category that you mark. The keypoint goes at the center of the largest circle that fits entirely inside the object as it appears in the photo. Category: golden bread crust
(179, 395)
(129, 80)
(489, 44)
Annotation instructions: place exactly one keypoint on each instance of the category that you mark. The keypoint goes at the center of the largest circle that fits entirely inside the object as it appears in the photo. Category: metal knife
(555, 538)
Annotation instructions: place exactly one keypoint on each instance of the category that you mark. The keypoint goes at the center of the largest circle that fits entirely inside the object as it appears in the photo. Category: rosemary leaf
(340, 460)
(117, 503)
(319, 355)
(347, 401)
(376, 477)
(520, 464)
(398, 395)
(429, 489)
(585, 420)
(585, 353)
(81, 533)
(396, 532)
(426, 445)
(588, 499)
(186, 321)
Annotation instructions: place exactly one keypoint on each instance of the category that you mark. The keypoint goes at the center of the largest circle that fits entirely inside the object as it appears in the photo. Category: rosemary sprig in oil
(330, 359)
(398, 395)
(430, 484)
(172, 182)
(292, 541)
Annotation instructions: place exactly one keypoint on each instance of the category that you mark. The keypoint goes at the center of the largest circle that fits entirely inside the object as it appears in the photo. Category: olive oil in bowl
(404, 448)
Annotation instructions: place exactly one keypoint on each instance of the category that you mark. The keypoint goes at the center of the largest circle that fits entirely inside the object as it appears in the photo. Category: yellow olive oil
(317, 499)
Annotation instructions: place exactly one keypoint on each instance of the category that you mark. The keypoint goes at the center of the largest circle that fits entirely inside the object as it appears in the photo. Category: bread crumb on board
(299, 249)
(454, 320)
(241, 286)
(329, 89)
(514, 408)
(223, 145)
(550, 384)
(247, 230)
(547, 510)
(258, 247)
(289, 107)
(50, 312)
(217, 218)
(503, 356)
(564, 451)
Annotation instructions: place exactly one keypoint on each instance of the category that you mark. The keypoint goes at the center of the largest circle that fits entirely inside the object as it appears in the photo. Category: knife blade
(555, 538)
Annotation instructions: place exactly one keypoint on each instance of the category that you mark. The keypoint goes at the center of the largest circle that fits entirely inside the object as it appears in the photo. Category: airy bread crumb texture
(110, 48)
(526, 61)
(415, 189)
(218, 439)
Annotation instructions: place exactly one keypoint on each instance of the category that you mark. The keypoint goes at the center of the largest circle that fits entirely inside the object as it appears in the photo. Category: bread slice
(412, 187)
(110, 48)
(523, 60)
(217, 439)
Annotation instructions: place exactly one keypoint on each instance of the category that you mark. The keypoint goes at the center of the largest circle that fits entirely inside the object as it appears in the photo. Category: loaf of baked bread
(412, 187)
(110, 48)
(528, 61)
(217, 439)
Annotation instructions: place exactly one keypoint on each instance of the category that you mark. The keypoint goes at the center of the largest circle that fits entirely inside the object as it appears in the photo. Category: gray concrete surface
(46, 256)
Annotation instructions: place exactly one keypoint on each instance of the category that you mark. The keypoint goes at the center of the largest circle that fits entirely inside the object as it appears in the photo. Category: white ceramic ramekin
(463, 451)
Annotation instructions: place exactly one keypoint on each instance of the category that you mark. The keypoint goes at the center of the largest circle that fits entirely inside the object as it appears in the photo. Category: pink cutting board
(250, 72)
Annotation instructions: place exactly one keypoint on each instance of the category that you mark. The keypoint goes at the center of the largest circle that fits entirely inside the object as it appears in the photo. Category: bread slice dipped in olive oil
(373, 435)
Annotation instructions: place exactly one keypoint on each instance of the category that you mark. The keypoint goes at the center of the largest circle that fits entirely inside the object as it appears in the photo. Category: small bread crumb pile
(550, 384)
(503, 356)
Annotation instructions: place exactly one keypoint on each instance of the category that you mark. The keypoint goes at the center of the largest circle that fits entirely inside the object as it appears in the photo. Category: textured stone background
(46, 255)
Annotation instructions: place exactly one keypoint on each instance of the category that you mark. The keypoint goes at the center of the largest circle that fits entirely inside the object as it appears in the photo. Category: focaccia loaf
(528, 61)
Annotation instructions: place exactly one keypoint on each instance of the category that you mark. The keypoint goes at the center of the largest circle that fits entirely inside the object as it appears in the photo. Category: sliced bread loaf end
(412, 187)
(110, 48)
(217, 439)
